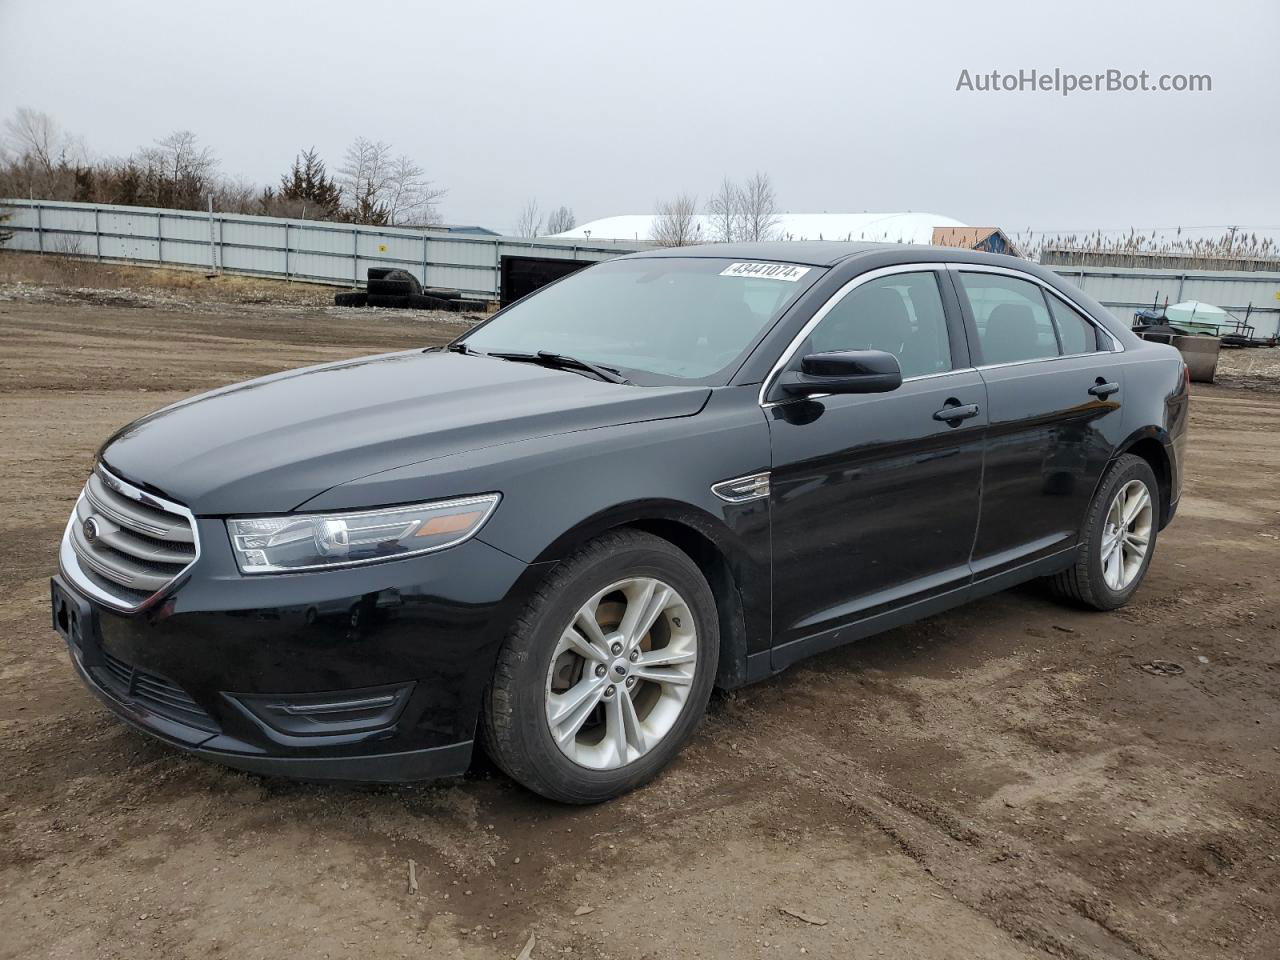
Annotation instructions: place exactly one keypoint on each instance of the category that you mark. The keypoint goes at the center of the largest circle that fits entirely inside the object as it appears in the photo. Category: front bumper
(371, 674)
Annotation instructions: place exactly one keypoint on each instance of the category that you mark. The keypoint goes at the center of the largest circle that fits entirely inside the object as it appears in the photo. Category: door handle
(953, 413)
(1102, 389)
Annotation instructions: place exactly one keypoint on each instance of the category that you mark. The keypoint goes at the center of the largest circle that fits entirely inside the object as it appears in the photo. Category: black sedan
(675, 470)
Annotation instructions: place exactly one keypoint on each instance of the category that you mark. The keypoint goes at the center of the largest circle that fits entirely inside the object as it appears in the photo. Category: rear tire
(631, 723)
(1108, 568)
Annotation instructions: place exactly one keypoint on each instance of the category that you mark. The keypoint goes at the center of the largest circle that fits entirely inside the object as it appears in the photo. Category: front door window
(900, 314)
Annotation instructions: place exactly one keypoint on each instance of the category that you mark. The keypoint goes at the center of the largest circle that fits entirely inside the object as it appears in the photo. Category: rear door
(874, 497)
(1054, 395)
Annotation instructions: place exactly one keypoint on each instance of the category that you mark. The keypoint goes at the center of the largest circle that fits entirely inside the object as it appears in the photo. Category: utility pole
(213, 258)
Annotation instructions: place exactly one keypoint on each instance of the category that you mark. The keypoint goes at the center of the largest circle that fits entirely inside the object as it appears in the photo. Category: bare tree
(177, 171)
(675, 222)
(529, 223)
(183, 156)
(724, 212)
(759, 209)
(380, 188)
(37, 135)
(236, 195)
(363, 178)
(38, 158)
(41, 158)
(34, 135)
(408, 194)
(560, 220)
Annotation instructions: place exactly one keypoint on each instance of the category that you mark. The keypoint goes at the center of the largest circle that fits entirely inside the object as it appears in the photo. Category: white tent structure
(1198, 316)
(872, 227)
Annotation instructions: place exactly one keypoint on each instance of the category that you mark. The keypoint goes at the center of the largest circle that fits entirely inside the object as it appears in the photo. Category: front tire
(607, 672)
(1118, 538)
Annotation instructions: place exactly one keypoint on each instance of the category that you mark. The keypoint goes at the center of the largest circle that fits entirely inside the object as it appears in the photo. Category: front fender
(559, 491)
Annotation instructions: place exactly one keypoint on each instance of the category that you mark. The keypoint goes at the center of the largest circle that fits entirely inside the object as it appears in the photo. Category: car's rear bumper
(372, 676)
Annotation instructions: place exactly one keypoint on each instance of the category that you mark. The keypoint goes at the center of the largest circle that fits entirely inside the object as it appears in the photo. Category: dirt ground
(1003, 781)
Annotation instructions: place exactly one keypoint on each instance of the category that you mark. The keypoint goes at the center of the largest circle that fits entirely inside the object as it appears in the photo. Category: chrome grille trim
(133, 513)
(145, 544)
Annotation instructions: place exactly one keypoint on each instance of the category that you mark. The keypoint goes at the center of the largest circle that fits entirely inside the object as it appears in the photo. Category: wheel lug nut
(610, 691)
(600, 671)
(631, 681)
(635, 655)
(616, 648)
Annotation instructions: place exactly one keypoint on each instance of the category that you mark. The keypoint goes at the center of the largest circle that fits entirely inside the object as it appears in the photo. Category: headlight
(318, 540)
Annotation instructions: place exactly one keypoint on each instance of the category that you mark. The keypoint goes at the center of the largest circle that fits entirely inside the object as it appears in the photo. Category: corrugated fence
(309, 250)
(1124, 290)
(335, 253)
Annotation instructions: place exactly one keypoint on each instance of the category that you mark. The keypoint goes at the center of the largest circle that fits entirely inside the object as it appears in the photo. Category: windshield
(656, 320)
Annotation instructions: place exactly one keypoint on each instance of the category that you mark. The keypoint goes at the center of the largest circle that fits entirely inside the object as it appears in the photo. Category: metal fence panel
(341, 254)
(175, 228)
(296, 249)
(301, 250)
(1124, 290)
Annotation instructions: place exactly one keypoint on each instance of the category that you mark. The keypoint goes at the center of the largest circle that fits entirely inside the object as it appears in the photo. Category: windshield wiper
(549, 359)
(459, 348)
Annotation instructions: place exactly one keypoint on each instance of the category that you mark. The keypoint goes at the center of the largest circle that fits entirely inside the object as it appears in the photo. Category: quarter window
(901, 314)
(1077, 334)
(1011, 316)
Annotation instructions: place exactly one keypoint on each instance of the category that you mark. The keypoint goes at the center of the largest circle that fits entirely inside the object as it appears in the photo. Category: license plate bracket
(74, 618)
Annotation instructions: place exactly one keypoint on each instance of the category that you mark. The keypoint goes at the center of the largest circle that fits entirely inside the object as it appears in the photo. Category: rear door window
(1012, 319)
(1078, 335)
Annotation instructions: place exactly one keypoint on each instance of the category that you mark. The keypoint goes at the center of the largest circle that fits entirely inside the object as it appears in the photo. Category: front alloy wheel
(621, 674)
(607, 672)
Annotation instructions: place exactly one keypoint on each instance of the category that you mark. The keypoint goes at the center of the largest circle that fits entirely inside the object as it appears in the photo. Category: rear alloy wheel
(607, 673)
(1126, 534)
(1117, 540)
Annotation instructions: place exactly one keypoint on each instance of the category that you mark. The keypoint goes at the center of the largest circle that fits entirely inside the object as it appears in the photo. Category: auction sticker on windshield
(768, 271)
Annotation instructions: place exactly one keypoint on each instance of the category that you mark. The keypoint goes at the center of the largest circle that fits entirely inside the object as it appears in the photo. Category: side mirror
(844, 371)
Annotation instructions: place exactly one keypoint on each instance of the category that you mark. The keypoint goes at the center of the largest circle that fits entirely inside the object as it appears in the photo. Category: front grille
(123, 545)
(155, 693)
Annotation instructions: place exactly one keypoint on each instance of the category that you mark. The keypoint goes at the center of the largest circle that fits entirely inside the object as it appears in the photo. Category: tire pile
(401, 289)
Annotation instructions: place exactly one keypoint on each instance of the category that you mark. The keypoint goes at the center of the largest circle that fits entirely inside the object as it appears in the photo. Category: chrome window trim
(941, 373)
(825, 309)
(1023, 363)
(1117, 346)
(69, 563)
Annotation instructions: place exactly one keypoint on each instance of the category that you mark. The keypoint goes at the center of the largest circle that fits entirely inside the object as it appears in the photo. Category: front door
(875, 497)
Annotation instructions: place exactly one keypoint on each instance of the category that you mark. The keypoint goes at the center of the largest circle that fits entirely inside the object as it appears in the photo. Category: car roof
(827, 253)
(814, 253)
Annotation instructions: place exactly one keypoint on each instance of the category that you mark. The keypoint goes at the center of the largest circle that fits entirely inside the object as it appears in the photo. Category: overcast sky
(607, 107)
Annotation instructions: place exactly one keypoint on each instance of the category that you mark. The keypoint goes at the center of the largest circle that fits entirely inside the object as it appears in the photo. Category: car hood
(271, 444)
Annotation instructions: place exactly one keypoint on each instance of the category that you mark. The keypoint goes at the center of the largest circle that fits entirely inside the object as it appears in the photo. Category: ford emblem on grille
(91, 529)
